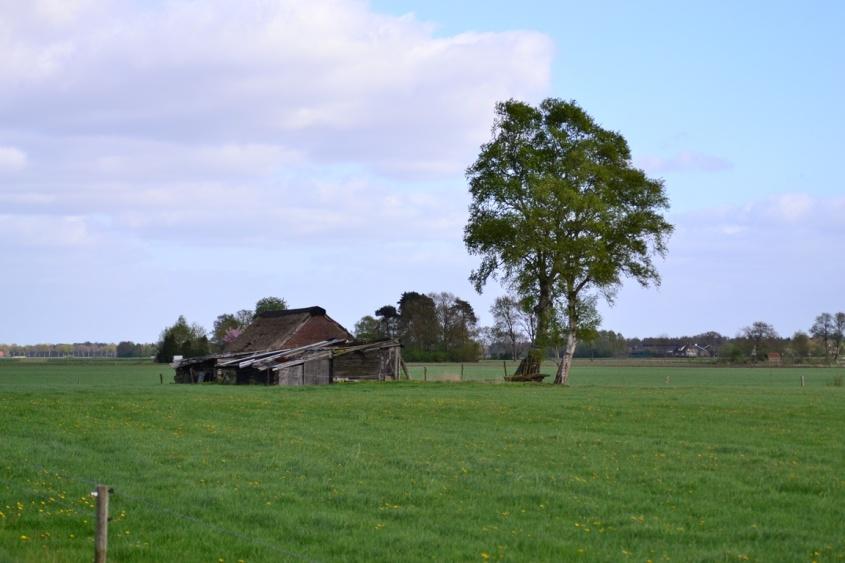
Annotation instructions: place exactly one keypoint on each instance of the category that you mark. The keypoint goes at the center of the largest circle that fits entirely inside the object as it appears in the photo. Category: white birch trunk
(562, 376)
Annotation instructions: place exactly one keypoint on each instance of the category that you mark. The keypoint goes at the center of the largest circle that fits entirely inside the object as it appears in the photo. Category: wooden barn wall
(317, 372)
(196, 373)
(313, 372)
(291, 375)
(372, 364)
(252, 376)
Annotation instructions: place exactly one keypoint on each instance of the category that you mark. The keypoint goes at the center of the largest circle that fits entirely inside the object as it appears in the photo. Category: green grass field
(713, 464)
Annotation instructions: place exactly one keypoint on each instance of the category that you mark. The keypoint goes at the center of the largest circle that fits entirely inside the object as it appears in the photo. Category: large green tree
(559, 213)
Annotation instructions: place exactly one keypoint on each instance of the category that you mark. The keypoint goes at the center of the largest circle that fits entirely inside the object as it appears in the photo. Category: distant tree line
(79, 350)
(437, 327)
(443, 327)
(513, 335)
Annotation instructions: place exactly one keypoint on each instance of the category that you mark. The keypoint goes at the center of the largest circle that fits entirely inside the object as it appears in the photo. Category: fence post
(101, 539)
(425, 373)
(462, 371)
(161, 378)
(802, 381)
(505, 367)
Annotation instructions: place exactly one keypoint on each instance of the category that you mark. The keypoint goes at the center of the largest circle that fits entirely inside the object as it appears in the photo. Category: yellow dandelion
(485, 555)
(24, 538)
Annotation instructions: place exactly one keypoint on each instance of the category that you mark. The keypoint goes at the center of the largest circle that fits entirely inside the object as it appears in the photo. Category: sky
(179, 157)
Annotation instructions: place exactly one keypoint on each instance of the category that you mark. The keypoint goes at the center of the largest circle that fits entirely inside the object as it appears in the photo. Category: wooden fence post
(101, 538)
(425, 373)
(161, 378)
(802, 381)
(505, 367)
(462, 371)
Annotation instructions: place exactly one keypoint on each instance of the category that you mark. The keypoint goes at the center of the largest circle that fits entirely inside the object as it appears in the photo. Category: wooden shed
(295, 347)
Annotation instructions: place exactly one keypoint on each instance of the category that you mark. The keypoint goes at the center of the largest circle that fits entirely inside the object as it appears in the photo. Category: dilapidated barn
(295, 347)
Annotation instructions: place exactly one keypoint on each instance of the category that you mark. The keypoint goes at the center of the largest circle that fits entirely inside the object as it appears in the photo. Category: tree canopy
(559, 211)
(368, 329)
(229, 326)
(431, 327)
(267, 304)
(181, 338)
(829, 330)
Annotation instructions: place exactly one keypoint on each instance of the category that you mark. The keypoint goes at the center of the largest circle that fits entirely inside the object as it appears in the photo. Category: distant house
(295, 347)
(671, 350)
(693, 351)
(651, 350)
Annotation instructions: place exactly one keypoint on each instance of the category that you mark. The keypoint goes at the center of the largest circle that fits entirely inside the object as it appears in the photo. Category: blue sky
(171, 158)
(758, 84)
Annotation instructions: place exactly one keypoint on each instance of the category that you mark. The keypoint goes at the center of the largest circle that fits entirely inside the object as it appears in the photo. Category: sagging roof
(277, 330)
(278, 359)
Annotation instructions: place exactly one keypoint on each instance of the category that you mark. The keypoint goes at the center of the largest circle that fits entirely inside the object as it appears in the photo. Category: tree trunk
(562, 375)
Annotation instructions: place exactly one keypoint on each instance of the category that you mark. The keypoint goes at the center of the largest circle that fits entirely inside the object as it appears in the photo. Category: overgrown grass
(620, 466)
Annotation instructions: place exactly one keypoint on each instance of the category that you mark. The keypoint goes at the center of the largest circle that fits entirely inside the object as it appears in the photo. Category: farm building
(295, 347)
(694, 351)
(671, 351)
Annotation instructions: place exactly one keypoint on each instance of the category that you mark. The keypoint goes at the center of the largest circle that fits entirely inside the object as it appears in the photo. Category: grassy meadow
(626, 464)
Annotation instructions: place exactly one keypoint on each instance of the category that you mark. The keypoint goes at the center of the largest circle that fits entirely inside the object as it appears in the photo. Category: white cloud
(281, 119)
(12, 159)
(330, 77)
(792, 207)
(22, 231)
(774, 260)
(306, 132)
